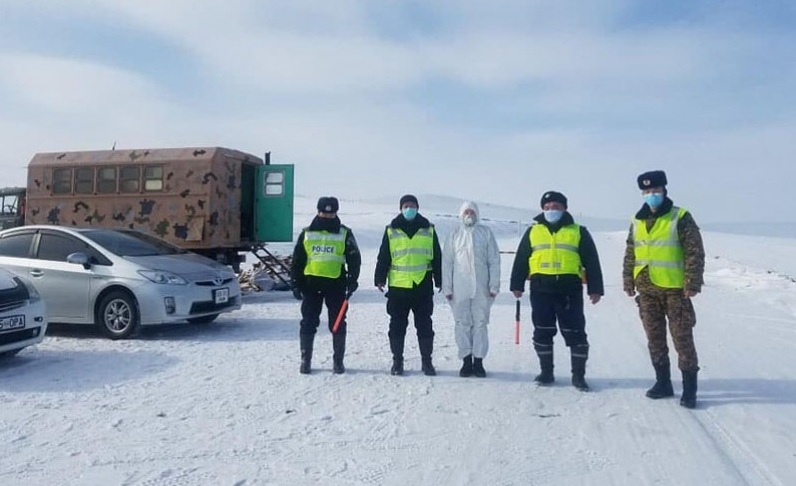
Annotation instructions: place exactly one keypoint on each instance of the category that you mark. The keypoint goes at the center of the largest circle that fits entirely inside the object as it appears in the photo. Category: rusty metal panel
(197, 207)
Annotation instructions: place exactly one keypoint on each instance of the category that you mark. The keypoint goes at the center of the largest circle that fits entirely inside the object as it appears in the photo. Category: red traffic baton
(517, 323)
(341, 313)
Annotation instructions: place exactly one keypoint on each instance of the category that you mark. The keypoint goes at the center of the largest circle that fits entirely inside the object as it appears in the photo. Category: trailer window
(62, 181)
(84, 180)
(130, 179)
(153, 179)
(106, 180)
(274, 184)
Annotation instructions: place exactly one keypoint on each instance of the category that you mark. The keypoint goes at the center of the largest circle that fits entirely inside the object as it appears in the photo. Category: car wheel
(9, 354)
(203, 319)
(117, 315)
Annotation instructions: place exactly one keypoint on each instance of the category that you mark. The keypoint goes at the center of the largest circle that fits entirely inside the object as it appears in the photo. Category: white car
(23, 315)
(117, 279)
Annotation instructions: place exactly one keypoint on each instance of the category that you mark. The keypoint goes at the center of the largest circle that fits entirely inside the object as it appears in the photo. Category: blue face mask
(653, 199)
(553, 215)
(409, 213)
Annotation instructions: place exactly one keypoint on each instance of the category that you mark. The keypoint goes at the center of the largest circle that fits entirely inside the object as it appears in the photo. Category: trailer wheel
(117, 315)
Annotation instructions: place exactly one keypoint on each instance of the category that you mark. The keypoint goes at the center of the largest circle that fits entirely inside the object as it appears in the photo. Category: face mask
(653, 199)
(409, 213)
(553, 215)
(468, 219)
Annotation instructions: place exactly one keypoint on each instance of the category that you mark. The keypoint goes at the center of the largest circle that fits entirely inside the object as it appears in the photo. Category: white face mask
(468, 219)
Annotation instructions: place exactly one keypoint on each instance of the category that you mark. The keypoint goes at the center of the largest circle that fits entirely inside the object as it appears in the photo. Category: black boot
(546, 364)
(467, 366)
(663, 382)
(397, 349)
(338, 345)
(478, 368)
(306, 343)
(426, 345)
(579, 355)
(688, 400)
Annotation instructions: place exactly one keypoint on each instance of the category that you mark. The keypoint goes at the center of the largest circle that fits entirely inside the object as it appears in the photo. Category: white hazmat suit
(471, 280)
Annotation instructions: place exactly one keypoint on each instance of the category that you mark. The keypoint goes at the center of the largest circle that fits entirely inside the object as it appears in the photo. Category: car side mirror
(79, 259)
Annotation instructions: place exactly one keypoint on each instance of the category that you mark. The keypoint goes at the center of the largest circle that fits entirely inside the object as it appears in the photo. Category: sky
(370, 99)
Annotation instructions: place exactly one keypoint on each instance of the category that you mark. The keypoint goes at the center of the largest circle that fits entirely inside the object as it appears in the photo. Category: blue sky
(493, 101)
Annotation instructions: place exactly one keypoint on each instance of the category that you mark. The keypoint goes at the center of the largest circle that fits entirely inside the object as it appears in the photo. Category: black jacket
(563, 284)
(353, 259)
(384, 260)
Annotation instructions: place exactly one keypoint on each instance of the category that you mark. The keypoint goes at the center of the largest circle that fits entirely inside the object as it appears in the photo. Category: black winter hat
(408, 198)
(654, 178)
(328, 204)
(553, 196)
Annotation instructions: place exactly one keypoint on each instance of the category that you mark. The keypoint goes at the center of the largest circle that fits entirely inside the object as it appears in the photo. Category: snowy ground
(224, 404)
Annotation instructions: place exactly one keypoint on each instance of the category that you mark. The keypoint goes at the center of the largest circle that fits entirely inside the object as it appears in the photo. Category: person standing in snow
(409, 259)
(470, 282)
(326, 263)
(553, 252)
(665, 262)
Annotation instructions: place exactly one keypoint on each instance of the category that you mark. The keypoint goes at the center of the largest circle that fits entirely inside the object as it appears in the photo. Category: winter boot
(306, 342)
(338, 346)
(426, 345)
(663, 382)
(397, 348)
(467, 366)
(579, 355)
(478, 368)
(546, 364)
(688, 400)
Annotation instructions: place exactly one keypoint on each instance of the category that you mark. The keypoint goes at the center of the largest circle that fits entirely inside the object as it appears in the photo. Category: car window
(132, 243)
(16, 245)
(56, 248)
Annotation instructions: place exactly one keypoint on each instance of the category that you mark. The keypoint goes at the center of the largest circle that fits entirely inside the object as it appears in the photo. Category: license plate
(12, 322)
(221, 296)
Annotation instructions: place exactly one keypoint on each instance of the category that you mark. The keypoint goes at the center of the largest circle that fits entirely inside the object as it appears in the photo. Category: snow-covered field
(224, 404)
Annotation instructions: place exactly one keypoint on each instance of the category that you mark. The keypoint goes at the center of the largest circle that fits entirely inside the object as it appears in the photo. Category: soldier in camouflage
(664, 263)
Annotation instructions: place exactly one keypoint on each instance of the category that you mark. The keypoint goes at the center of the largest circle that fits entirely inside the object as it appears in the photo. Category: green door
(274, 203)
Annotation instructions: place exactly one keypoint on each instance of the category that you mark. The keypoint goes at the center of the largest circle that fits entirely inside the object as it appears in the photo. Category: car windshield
(131, 243)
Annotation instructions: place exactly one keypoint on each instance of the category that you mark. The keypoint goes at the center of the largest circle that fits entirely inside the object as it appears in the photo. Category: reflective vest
(555, 253)
(660, 250)
(325, 253)
(411, 257)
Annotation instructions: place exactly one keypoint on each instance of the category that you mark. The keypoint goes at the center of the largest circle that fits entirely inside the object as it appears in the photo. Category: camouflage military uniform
(657, 303)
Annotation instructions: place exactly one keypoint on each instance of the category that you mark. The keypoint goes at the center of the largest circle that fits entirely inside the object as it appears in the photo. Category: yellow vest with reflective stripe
(411, 257)
(660, 250)
(555, 253)
(325, 253)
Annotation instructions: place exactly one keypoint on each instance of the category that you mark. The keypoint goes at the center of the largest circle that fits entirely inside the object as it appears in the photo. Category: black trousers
(312, 305)
(567, 310)
(400, 302)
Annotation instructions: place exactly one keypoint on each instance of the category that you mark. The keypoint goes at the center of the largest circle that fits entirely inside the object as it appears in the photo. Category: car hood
(183, 264)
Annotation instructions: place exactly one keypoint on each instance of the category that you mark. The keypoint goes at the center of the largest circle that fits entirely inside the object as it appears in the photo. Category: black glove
(297, 293)
(352, 286)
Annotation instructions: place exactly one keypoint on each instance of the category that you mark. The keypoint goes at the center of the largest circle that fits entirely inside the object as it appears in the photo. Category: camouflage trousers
(655, 305)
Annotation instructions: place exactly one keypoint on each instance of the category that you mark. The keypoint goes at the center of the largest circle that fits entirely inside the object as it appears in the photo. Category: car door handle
(36, 273)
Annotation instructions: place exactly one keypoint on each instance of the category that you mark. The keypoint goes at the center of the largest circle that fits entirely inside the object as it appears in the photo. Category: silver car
(23, 316)
(117, 279)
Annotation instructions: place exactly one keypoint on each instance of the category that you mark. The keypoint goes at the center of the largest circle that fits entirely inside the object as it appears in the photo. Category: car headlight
(33, 294)
(162, 277)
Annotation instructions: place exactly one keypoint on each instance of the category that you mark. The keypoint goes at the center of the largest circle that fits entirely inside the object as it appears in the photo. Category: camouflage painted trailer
(211, 200)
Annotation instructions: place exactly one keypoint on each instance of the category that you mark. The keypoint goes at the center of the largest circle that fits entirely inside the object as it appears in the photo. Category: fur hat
(654, 178)
(408, 198)
(328, 204)
(553, 196)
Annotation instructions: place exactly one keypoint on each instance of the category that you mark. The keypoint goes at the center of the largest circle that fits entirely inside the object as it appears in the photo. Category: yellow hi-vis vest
(555, 253)
(411, 257)
(660, 250)
(325, 253)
